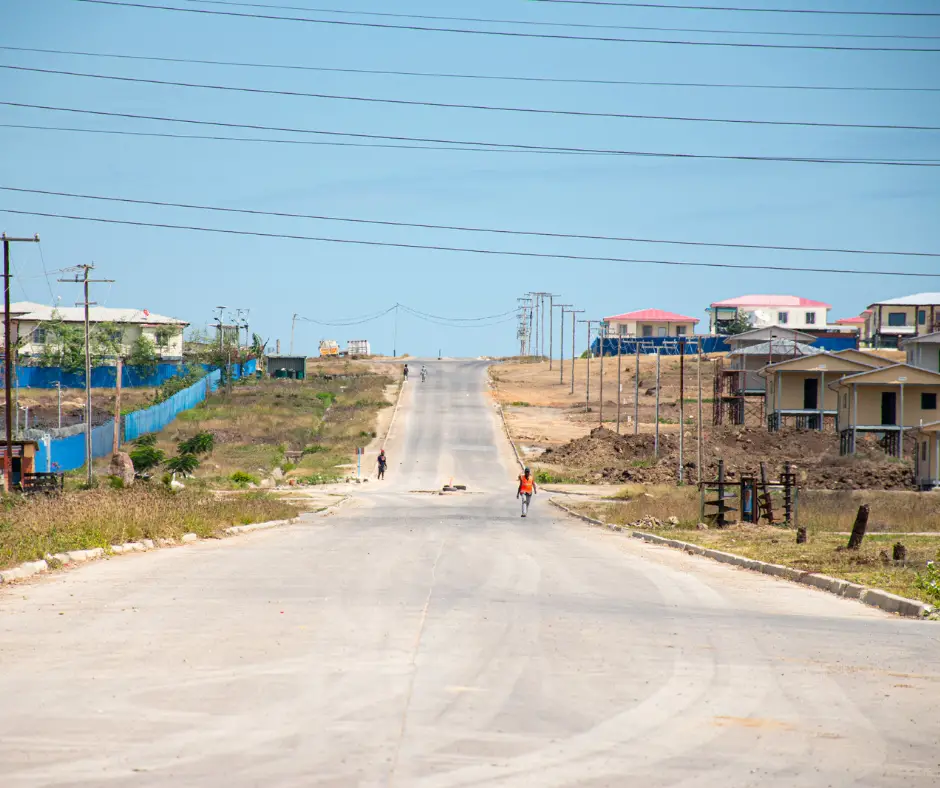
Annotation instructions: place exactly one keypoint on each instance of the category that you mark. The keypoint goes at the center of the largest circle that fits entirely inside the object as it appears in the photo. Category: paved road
(417, 640)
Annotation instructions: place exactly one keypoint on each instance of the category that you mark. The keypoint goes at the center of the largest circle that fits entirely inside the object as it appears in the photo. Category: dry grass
(826, 515)
(31, 528)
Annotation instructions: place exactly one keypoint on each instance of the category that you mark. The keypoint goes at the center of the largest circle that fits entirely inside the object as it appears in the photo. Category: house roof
(770, 300)
(654, 316)
(777, 347)
(872, 359)
(830, 362)
(930, 426)
(27, 311)
(770, 332)
(850, 321)
(918, 299)
(890, 375)
(929, 339)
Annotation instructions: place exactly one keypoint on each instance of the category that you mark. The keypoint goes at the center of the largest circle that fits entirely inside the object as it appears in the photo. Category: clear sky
(187, 274)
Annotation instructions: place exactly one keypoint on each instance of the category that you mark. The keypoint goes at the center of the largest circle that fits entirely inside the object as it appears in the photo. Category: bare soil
(605, 456)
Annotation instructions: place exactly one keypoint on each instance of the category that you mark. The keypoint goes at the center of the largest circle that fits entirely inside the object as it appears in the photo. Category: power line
(737, 8)
(478, 107)
(475, 322)
(353, 321)
(418, 313)
(495, 145)
(501, 33)
(468, 250)
(542, 23)
(448, 75)
(460, 228)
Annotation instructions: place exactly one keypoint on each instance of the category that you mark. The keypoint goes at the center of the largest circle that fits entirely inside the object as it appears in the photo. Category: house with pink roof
(650, 323)
(770, 310)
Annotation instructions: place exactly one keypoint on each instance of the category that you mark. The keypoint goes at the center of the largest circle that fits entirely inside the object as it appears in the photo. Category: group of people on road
(424, 373)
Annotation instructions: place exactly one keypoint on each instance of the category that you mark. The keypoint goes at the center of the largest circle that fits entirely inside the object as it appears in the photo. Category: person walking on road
(383, 464)
(406, 372)
(526, 490)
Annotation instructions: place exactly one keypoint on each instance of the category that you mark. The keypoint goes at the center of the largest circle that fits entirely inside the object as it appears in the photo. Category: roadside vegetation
(31, 528)
(913, 519)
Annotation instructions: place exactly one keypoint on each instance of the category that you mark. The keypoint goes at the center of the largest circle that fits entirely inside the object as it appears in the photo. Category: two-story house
(893, 320)
(769, 310)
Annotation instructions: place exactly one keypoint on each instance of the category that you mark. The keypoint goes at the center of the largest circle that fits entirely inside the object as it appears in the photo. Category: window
(661, 331)
(921, 317)
(622, 328)
(810, 318)
(897, 319)
(116, 336)
(783, 318)
(39, 336)
(162, 338)
(928, 401)
(681, 331)
(647, 331)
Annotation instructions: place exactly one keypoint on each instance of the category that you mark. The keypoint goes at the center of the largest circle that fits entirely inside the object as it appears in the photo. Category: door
(811, 394)
(889, 406)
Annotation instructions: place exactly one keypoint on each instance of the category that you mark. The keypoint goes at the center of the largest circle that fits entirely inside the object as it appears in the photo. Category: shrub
(146, 457)
(315, 448)
(929, 582)
(182, 463)
(200, 443)
(326, 397)
(287, 467)
(520, 404)
(243, 479)
(150, 439)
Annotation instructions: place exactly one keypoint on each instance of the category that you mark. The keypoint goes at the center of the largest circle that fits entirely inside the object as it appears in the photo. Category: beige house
(927, 456)
(924, 351)
(750, 360)
(797, 390)
(650, 323)
(889, 322)
(887, 401)
(30, 321)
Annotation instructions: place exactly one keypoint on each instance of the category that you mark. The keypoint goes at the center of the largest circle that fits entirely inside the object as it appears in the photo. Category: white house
(769, 310)
(650, 323)
(30, 319)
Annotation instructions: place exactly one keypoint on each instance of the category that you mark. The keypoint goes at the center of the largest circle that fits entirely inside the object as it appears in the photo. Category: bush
(520, 404)
(243, 479)
(146, 457)
(287, 467)
(182, 463)
(200, 443)
(150, 439)
(326, 397)
(929, 582)
(315, 448)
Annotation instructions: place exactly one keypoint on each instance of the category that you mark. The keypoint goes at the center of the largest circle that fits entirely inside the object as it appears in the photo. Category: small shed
(24, 460)
(293, 367)
(927, 456)
(887, 401)
(797, 391)
(748, 361)
(923, 351)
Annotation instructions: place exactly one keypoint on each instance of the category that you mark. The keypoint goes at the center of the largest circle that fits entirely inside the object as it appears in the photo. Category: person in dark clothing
(383, 464)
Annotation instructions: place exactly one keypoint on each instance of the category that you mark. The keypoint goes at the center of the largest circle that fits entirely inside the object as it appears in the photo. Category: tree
(740, 324)
(143, 355)
(65, 344)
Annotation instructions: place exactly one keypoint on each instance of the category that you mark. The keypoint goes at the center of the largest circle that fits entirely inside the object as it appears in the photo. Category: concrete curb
(512, 443)
(32, 568)
(890, 603)
(391, 423)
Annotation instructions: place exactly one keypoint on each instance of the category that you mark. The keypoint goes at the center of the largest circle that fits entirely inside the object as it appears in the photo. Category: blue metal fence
(708, 344)
(67, 454)
(101, 377)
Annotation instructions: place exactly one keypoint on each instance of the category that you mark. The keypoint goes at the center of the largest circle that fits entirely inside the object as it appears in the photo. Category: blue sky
(187, 274)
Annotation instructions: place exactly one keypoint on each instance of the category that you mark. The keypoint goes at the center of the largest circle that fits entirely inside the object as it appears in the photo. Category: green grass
(32, 527)
(520, 404)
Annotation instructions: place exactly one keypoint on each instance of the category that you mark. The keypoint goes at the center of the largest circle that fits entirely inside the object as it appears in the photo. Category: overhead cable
(743, 9)
(449, 75)
(478, 107)
(501, 33)
(542, 23)
(467, 250)
(504, 145)
(458, 228)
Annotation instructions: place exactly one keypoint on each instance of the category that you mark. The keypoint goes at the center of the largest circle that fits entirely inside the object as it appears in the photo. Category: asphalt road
(411, 639)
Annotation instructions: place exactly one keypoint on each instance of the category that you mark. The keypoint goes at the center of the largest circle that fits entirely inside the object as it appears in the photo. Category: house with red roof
(770, 310)
(650, 323)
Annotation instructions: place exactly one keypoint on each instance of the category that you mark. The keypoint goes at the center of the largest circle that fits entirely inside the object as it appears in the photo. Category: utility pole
(561, 343)
(551, 329)
(8, 351)
(620, 385)
(293, 322)
(574, 352)
(656, 438)
(395, 340)
(701, 452)
(681, 403)
(220, 323)
(85, 281)
(636, 390)
(587, 386)
(602, 338)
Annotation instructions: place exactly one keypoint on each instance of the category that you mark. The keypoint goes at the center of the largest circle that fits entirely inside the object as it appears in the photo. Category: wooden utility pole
(551, 329)
(8, 351)
(116, 445)
(561, 344)
(681, 404)
(701, 432)
(574, 351)
(656, 436)
(85, 281)
(587, 385)
(619, 382)
(603, 338)
(636, 389)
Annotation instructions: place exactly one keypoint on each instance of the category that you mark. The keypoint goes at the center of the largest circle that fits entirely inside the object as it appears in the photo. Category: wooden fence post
(859, 528)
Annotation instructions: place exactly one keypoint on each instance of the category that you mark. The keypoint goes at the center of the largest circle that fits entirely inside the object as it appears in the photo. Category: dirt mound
(605, 456)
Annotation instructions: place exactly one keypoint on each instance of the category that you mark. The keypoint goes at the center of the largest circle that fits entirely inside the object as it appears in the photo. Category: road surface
(411, 639)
